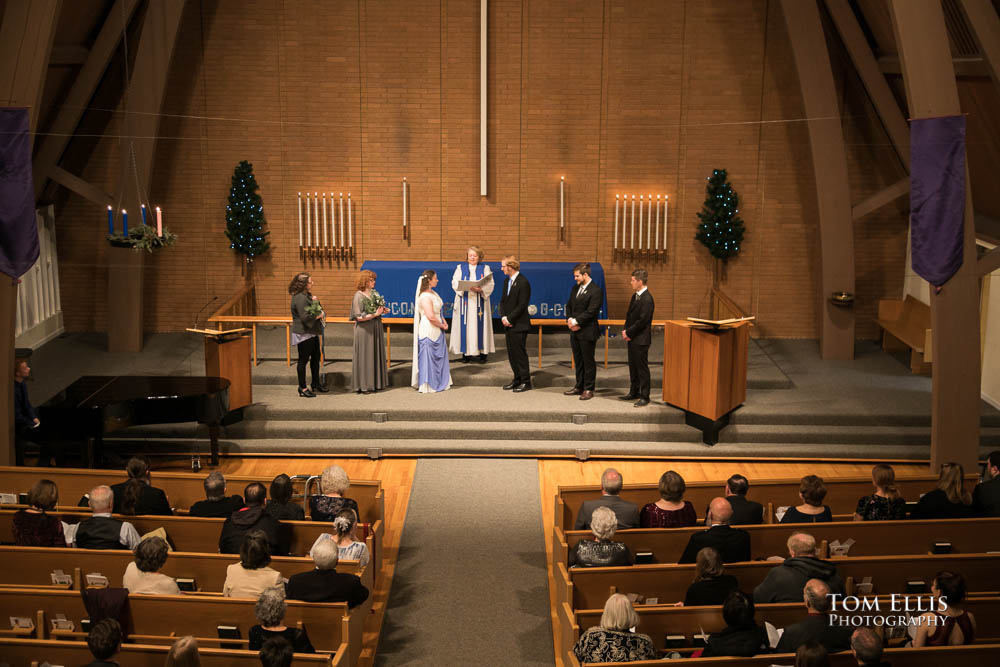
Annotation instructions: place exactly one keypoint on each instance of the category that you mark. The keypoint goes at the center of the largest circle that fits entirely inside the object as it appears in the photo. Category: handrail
(729, 303)
(238, 298)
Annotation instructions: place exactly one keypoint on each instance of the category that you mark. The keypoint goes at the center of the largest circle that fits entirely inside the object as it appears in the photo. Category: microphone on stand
(213, 299)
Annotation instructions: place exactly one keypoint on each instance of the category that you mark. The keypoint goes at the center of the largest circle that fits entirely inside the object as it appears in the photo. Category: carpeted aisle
(470, 586)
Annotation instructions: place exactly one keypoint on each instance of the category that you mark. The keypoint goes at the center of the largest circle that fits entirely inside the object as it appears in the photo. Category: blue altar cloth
(551, 283)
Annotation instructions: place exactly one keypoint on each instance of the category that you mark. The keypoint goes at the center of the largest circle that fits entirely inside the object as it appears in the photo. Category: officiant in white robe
(472, 319)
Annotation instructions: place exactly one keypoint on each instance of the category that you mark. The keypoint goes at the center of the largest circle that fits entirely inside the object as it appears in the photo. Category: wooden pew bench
(906, 324)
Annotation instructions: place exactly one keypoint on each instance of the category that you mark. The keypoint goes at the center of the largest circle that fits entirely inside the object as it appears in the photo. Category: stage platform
(797, 405)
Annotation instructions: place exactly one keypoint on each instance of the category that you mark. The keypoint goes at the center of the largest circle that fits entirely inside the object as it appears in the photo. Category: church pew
(25, 652)
(842, 494)
(32, 566)
(872, 538)
(328, 623)
(589, 588)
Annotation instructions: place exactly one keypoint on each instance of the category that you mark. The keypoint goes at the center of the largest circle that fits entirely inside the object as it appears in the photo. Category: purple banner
(18, 228)
(937, 196)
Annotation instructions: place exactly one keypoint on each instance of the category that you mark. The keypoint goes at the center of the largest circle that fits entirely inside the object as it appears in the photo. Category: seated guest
(217, 503)
(325, 584)
(986, 495)
(711, 586)
(885, 503)
(812, 654)
(671, 510)
(251, 576)
(954, 626)
(279, 506)
(104, 640)
(867, 648)
(334, 483)
(785, 582)
(816, 595)
(812, 491)
(32, 527)
(101, 531)
(949, 500)
(251, 517)
(611, 486)
(270, 611)
(733, 544)
(613, 640)
(135, 496)
(143, 574)
(745, 512)
(183, 653)
(742, 636)
(276, 652)
(343, 537)
(602, 552)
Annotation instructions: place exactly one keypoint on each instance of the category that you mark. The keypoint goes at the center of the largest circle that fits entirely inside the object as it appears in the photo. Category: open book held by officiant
(466, 285)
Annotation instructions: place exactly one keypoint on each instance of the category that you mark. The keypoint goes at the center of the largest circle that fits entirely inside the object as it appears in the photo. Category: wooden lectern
(227, 355)
(705, 372)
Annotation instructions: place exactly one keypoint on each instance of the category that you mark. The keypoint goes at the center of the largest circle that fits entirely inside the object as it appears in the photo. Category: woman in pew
(671, 510)
(742, 636)
(270, 611)
(183, 653)
(952, 627)
(279, 505)
(950, 500)
(886, 503)
(334, 483)
(613, 640)
(33, 527)
(711, 586)
(812, 654)
(251, 576)
(348, 548)
(143, 574)
(602, 552)
(812, 491)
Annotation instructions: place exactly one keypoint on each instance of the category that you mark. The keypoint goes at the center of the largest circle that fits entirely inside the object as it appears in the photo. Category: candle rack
(326, 231)
(643, 237)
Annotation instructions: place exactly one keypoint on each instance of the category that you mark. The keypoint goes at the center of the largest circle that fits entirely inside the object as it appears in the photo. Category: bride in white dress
(430, 351)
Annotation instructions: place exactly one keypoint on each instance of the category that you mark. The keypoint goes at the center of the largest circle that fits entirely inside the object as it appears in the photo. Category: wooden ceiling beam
(26, 37)
(989, 262)
(68, 54)
(985, 24)
(884, 196)
(80, 186)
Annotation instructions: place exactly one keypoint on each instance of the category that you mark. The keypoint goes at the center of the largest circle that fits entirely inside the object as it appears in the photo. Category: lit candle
(657, 234)
(143, 209)
(666, 203)
(124, 223)
(649, 224)
(562, 201)
(404, 206)
(350, 224)
(159, 221)
(111, 222)
(614, 243)
(324, 216)
(308, 222)
(300, 219)
(640, 222)
(631, 238)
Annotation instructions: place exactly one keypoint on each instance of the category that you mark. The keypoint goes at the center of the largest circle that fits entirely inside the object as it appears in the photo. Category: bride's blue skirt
(432, 359)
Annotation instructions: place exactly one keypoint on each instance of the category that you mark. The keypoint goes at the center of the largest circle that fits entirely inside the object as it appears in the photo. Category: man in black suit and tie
(733, 544)
(638, 334)
(516, 321)
(582, 310)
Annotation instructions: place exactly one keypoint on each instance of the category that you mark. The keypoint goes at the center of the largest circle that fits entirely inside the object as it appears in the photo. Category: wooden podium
(705, 372)
(227, 355)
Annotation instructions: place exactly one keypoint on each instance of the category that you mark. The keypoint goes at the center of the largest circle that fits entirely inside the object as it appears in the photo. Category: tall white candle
(308, 222)
(657, 234)
(631, 236)
(562, 201)
(649, 223)
(341, 219)
(316, 215)
(159, 221)
(640, 222)
(300, 219)
(614, 243)
(350, 223)
(404, 206)
(324, 218)
(666, 203)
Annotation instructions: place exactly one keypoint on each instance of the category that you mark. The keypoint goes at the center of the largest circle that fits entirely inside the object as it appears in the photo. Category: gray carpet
(470, 586)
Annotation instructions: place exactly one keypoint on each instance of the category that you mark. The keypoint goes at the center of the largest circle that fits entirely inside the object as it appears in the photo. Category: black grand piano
(96, 405)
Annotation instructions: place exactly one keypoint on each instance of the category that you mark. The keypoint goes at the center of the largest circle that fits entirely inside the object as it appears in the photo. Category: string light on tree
(721, 228)
(245, 214)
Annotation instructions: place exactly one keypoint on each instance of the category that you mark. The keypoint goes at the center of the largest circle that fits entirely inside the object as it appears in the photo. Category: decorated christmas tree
(245, 214)
(720, 229)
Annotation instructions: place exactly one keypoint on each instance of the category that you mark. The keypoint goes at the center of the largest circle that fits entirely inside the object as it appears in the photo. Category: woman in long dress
(430, 351)
(368, 370)
(472, 319)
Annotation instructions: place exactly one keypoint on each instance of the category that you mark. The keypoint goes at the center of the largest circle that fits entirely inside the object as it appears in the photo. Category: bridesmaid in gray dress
(368, 372)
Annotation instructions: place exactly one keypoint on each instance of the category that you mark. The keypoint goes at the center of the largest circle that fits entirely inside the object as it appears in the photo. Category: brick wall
(620, 96)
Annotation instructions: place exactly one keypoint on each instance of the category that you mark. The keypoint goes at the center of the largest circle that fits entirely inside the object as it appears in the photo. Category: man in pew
(216, 503)
(784, 583)
(252, 517)
(986, 496)
(733, 544)
(325, 584)
(867, 648)
(817, 626)
(102, 531)
(745, 512)
(104, 640)
(611, 486)
(276, 652)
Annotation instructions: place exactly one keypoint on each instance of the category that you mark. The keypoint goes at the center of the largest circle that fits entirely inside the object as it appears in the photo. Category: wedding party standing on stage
(308, 319)
(516, 321)
(472, 320)
(638, 334)
(582, 311)
(368, 370)
(430, 353)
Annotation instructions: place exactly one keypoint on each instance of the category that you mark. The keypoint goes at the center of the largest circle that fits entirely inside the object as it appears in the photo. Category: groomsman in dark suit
(582, 310)
(637, 332)
(516, 321)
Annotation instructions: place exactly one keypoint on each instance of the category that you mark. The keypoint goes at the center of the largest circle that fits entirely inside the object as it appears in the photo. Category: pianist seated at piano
(102, 531)
(137, 496)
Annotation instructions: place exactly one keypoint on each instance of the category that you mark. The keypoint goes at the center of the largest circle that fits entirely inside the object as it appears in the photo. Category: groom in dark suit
(637, 332)
(582, 310)
(516, 321)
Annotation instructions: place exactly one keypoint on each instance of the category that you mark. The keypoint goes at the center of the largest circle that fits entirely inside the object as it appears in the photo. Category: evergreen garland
(720, 229)
(245, 214)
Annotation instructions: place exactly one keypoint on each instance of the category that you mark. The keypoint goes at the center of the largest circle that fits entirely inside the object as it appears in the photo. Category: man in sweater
(784, 583)
(101, 531)
(216, 503)
(745, 512)
(611, 485)
(325, 584)
(252, 517)
(816, 625)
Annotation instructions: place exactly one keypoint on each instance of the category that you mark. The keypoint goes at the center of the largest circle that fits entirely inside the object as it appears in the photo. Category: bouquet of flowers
(371, 304)
(314, 308)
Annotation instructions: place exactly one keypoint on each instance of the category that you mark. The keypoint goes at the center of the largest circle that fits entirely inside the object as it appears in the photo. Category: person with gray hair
(270, 612)
(334, 483)
(867, 648)
(343, 536)
(325, 584)
(143, 574)
(602, 552)
(216, 503)
(101, 531)
(784, 583)
(611, 486)
(817, 625)
(613, 640)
